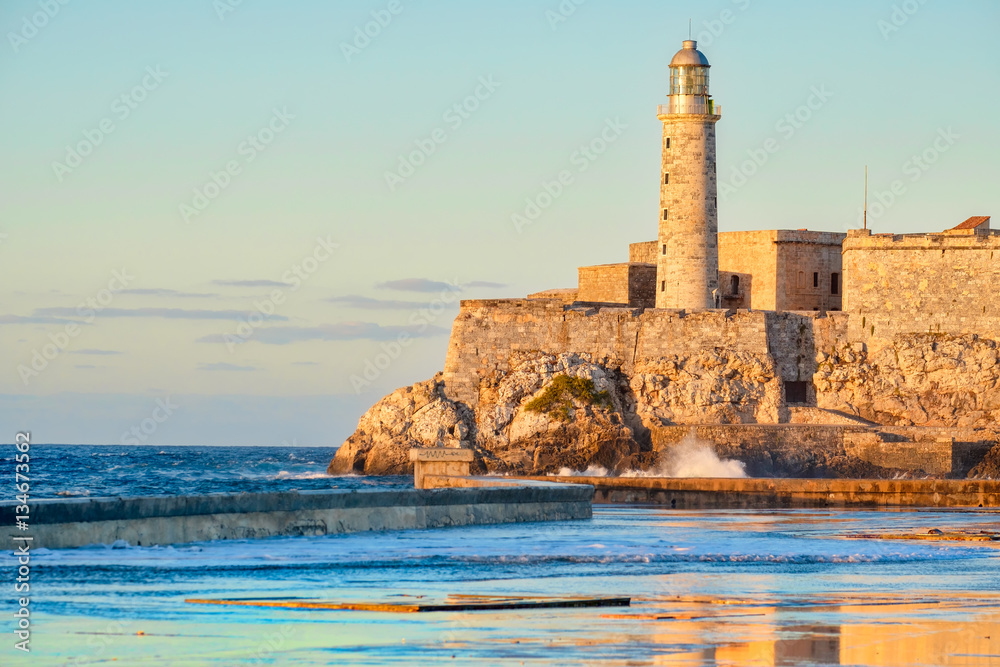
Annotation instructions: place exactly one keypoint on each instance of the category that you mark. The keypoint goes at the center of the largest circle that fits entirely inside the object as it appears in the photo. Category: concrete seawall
(58, 524)
(694, 493)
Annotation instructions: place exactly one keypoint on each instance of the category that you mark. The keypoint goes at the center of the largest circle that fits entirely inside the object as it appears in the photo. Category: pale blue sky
(338, 124)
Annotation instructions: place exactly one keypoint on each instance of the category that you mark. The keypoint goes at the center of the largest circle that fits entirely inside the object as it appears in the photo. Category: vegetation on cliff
(556, 400)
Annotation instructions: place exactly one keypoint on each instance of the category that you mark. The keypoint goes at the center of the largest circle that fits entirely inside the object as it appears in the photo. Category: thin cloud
(344, 331)
(87, 366)
(249, 283)
(221, 338)
(223, 366)
(35, 319)
(304, 363)
(330, 332)
(484, 283)
(166, 313)
(418, 285)
(368, 303)
(167, 292)
(96, 352)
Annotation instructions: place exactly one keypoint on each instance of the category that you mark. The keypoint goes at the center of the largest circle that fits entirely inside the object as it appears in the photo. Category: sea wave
(284, 474)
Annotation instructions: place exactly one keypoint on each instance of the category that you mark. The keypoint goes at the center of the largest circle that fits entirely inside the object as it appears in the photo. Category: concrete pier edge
(59, 523)
(771, 493)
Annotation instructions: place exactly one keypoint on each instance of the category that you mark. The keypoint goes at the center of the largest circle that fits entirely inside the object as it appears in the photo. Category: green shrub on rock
(557, 398)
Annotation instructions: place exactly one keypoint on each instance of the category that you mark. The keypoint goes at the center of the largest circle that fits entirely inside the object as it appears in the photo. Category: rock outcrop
(551, 412)
(921, 379)
(527, 422)
(415, 416)
(713, 387)
(545, 412)
(989, 467)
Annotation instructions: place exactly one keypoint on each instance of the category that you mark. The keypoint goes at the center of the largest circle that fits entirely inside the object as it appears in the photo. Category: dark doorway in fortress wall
(796, 392)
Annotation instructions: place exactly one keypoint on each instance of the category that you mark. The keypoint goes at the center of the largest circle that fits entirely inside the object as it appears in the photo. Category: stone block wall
(735, 293)
(606, 283)
(755, 254)
(563, 295)
(807, 264)
(642, 285)
(644, 252)
(922, 283)
(487, 333)
(795, 337)
(776, 450)
(776, 268)
(630, 284)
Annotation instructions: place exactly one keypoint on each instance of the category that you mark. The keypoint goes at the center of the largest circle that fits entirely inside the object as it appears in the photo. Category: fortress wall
(487, 333)
(754, 253)
(644, 252)
(739, 298)
(642, 285)
(937, 283)
(794, 338)
(668, 332)
(631, 284)
(806, 262)
(607, 283)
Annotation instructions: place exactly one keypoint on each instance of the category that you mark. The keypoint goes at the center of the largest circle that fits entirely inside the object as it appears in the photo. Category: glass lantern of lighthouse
(689, 82)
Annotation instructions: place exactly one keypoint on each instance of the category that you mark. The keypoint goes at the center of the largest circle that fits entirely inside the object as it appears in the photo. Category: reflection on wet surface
(961, 631)
(707, 589)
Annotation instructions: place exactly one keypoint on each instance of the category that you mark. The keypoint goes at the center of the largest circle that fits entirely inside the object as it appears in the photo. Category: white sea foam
(692, 457)
(593, 470)
(284, 474)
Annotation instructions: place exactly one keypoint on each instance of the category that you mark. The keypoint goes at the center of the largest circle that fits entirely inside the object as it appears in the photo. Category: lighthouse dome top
(689, 56)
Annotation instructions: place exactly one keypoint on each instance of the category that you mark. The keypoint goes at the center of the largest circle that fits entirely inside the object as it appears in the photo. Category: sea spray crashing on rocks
(691, 457)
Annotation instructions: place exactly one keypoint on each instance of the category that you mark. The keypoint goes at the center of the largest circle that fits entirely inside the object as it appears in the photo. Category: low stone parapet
(440, 461)
(58, 524)
(713, 493)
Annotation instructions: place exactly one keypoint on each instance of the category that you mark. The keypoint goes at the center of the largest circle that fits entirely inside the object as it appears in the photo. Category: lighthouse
(687, 266)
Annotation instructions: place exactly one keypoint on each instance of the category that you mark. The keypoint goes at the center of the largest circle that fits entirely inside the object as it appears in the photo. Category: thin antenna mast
(866, 196)
(689, 29)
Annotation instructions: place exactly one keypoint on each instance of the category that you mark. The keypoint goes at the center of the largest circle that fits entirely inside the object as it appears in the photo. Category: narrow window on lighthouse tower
(666, 179)
(668, 142)
(665, 213)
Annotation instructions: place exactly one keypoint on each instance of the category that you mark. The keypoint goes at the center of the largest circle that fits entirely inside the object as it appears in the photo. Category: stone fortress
(798, 352)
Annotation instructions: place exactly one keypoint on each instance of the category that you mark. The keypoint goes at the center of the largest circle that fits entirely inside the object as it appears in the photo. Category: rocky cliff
(920, 379)
(547, 412)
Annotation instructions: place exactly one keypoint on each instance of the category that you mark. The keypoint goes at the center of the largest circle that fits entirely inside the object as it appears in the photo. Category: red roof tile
(973, 222)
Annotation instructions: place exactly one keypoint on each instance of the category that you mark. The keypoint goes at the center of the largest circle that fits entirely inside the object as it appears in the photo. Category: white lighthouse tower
(687, 267)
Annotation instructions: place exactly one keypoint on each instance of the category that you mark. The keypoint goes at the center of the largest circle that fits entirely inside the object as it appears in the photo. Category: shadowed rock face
(989, 467)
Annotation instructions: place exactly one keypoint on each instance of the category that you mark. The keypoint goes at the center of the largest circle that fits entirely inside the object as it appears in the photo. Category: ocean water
(707, 587)
(113, 470)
